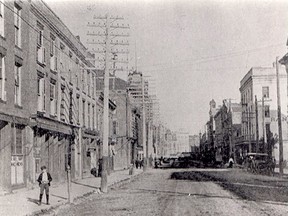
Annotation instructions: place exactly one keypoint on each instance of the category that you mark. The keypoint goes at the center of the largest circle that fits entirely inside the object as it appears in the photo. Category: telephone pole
(263, 121)
(263, 125)
(279, 120)
(105, 156)
(109, 42)
(257, 125)
(144, 128)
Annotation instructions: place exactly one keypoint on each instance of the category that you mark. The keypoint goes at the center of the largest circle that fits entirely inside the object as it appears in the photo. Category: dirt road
(156, 193)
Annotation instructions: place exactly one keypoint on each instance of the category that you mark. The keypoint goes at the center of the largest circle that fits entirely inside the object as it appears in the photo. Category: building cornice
(81, 54)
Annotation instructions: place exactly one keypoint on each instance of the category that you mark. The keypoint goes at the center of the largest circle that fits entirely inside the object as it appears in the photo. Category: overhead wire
(193, 62)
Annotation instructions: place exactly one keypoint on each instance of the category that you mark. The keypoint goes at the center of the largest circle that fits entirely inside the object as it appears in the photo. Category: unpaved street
(155, 193)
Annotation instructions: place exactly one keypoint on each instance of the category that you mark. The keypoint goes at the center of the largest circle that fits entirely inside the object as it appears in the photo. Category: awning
(52, 125)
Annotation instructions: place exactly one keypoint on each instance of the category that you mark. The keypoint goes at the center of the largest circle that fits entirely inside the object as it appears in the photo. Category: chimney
(274, 64)
(78, 37)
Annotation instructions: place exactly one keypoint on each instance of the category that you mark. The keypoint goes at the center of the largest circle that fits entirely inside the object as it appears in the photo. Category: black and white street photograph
(143, 107)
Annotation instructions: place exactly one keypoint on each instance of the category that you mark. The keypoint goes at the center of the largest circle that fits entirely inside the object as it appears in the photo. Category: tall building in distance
(182, 138)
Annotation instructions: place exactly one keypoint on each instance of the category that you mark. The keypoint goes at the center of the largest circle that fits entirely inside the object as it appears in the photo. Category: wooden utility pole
(249, 130)
(263, 125)
(263, 121)
(104, 174)
(144, 127)
(257, 125)
(279, 120)
(109, 42)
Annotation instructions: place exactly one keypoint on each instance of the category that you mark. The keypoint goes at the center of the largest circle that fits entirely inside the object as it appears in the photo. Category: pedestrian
(44, 180)
(137, 163)
(230, 162)
(141, 163)
(100, 167)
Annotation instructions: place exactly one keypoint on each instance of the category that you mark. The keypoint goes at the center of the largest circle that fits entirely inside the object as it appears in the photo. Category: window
(2, 18)
(266, 111)
(89, 117)
(41, 93)
(83, 112)
(2, 78)
(114, 127)
(41, 55)
(83, 80)
(40, 48)
(79, 105)
(40, 29)
(53, 109)
(17, 25)
(88, 83)
(92, 87)
(52, 45)
(265, 91)
(77, 79)
(62, 106)
(53, 58)
(17, 89)
(17, 146)
(268, 129)
(93, 116)
(62, 55)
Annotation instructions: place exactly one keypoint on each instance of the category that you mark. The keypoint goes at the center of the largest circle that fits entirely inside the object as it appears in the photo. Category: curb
(51, 210)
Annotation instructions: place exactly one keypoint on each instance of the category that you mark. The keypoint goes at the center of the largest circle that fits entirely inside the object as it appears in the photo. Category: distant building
(138, 90)
(227, 129)
(209, 129)
(182, 141)
(261, 82)
(125, 124)
(194, 143)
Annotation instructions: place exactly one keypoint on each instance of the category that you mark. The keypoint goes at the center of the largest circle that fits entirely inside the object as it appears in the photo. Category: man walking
(44, 180)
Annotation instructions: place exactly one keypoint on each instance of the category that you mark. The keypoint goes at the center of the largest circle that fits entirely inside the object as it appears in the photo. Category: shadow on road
(175, 193)
(35, 201)
(193, 176)
(74, 182)
(248, 188)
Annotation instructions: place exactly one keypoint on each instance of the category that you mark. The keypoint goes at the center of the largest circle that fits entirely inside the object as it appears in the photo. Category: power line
(207, 59)
(235, 53)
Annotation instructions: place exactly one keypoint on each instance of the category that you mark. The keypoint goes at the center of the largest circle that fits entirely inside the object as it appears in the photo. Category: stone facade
(261, 82)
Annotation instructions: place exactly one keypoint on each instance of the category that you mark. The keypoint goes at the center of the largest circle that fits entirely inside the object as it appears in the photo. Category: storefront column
(5, 156)
(29, 157)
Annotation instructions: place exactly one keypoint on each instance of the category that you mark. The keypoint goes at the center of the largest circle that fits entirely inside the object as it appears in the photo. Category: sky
(191, 51)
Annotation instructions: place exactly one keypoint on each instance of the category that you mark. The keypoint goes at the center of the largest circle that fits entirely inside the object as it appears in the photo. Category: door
(17, 158)
(17, 170)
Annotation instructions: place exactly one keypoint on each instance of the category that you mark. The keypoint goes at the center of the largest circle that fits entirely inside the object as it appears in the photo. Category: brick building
(227, 129)
(48, 97)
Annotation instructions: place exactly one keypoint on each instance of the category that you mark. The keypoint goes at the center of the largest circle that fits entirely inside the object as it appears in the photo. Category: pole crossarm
(112, 35)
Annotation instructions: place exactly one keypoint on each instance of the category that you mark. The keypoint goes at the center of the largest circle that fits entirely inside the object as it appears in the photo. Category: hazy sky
(194, 50)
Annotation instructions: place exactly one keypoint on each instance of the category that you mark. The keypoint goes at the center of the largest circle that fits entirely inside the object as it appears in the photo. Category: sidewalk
(25, 202)
(285, 170)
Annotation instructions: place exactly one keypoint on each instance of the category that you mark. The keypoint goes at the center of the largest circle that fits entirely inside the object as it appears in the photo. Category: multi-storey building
(227, 129)
(125, 122)
(48, 97)
(260, 82)
(137, 88)
(194, 143)
(15, 145)
(182, 141)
